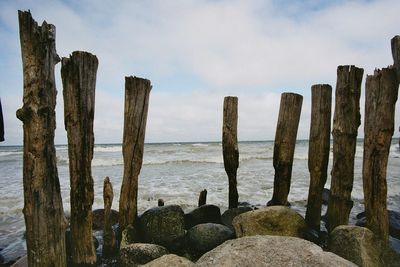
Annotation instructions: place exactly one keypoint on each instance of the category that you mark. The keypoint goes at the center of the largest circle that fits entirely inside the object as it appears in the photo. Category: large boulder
(205, 237)
(228, 216)
(203, 214)
(273, 220)
(170, 260)
(164, 226)
(98, 218)
(270, 251)
(359, 245)
(140, 253)
(394, 222)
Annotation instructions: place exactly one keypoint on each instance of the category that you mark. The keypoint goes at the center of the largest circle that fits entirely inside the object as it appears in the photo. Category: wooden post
(160, 202)
(203, 197)
(395, 42)
(43, 209)
(79, 82)
(230, 146)
(285, 142)
(137, 91)
(318, 150)
(109, 241)
(346, 121)
(381, 91)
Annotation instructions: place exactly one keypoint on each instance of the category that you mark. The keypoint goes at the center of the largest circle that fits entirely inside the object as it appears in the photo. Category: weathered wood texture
(109, 240)
(346, 121)
(318, 150)
(381, 90)
(203, 197)
(137, 91)
(78, 74)
(43, 209)
(285, 142)
(395, 42)
(230, 148)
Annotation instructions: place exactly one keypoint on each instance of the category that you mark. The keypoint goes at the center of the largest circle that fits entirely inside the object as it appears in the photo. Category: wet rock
(228, 216)
(170, 260)
(394, 222)
(204, 214)
(98, 218)
(205, 237)
(325, 196)
(164, 226)
(273, 220)
(271, 251)
(140, 253)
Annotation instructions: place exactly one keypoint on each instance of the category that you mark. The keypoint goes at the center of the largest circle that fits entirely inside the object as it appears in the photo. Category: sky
(197, 52)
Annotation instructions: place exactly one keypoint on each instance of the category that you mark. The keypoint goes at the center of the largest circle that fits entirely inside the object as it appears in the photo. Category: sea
(176, 173)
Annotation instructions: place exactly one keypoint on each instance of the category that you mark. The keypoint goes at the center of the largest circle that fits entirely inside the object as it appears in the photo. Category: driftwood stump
(381, 91)
(137, 91)
(43, 209)
(203, 198)
(109, 241)
(318, 150)
(285, 142)
(230, 146)
(79, 83)
(346, 121)
(395, 42)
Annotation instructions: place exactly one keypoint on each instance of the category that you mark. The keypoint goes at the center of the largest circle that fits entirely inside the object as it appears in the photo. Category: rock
(273, 220)
(228, 216)
(98, 218)
(140, 253)
(270, 251)
(394, 222)
(1, 259)
(205, 237)
(22, 262)
(204, 214)
(170, 260)
(325, 196)
(359, 245)
(164, 226)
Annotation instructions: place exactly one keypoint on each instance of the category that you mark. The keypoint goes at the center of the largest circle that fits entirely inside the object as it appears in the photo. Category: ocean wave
(113, 148)
(10, 153)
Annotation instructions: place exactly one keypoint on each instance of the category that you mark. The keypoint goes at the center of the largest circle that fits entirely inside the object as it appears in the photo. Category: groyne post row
(318, 150)
(43, 210)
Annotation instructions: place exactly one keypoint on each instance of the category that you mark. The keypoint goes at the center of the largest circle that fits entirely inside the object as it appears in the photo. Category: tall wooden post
(230, 146)
(285, 142)
(79, 83)
(346, 121)
(318, 150)
(137, 91)
(395, 42)
(109, 241)
(381, 91)
(43, 209)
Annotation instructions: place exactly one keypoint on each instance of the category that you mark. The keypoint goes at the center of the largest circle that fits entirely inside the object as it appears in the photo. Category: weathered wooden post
(381, 91)
(43, 209)
(109, 241)
(395, 42)
(137, 91)
(78, 74)
(346, 121)
(318, 150)
(230, 146)
(202, 198)
(285, 142)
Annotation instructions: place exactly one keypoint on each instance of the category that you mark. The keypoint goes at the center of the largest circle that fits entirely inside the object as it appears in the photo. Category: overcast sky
(197, 52)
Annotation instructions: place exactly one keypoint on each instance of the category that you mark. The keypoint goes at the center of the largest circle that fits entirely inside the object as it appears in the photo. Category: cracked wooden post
(230, 146)
(137, 91)
(285, 142)
(43, 209)
(202, 198)
(110, 243)
(395, 43)
(346, 121)
(78, 74)
(381, 91)
(318, 150)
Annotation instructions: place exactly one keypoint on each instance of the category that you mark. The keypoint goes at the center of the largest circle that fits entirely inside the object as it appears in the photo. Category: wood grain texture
(43, 209)
(346, 121)
(395, 43)
(381, 90)
(318, 150)
(109, 240)
(285, 142)
(202, 198)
